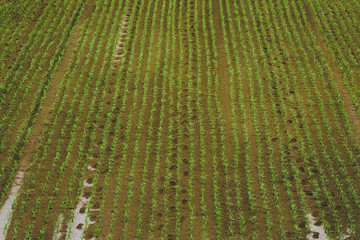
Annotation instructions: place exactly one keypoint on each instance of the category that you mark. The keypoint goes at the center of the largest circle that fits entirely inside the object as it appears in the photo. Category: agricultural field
(193, 119)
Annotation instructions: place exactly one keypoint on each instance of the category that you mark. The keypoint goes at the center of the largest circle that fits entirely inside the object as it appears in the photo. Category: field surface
(193, 119)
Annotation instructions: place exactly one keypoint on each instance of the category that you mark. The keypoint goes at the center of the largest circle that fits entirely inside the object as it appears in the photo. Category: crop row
(13, 34)
(22, 95)
(343, 48)
(125, 150)
(16, 150)
(107, 143)
(165, 118)
(51, 132)
(92, 129)
(308, 137)
(215, 119)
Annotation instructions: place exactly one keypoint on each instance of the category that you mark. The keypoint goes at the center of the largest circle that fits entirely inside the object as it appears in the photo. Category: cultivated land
(194, 119)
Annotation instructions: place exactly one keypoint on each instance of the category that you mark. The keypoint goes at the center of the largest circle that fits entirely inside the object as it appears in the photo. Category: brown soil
(191, 120)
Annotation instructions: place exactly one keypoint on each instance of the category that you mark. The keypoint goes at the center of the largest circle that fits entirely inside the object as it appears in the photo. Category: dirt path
(38, 128)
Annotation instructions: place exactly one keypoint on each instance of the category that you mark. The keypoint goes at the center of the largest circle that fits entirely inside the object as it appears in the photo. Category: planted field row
(179, 119)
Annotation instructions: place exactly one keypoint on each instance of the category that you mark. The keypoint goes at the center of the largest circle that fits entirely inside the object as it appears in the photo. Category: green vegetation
(180, 119)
